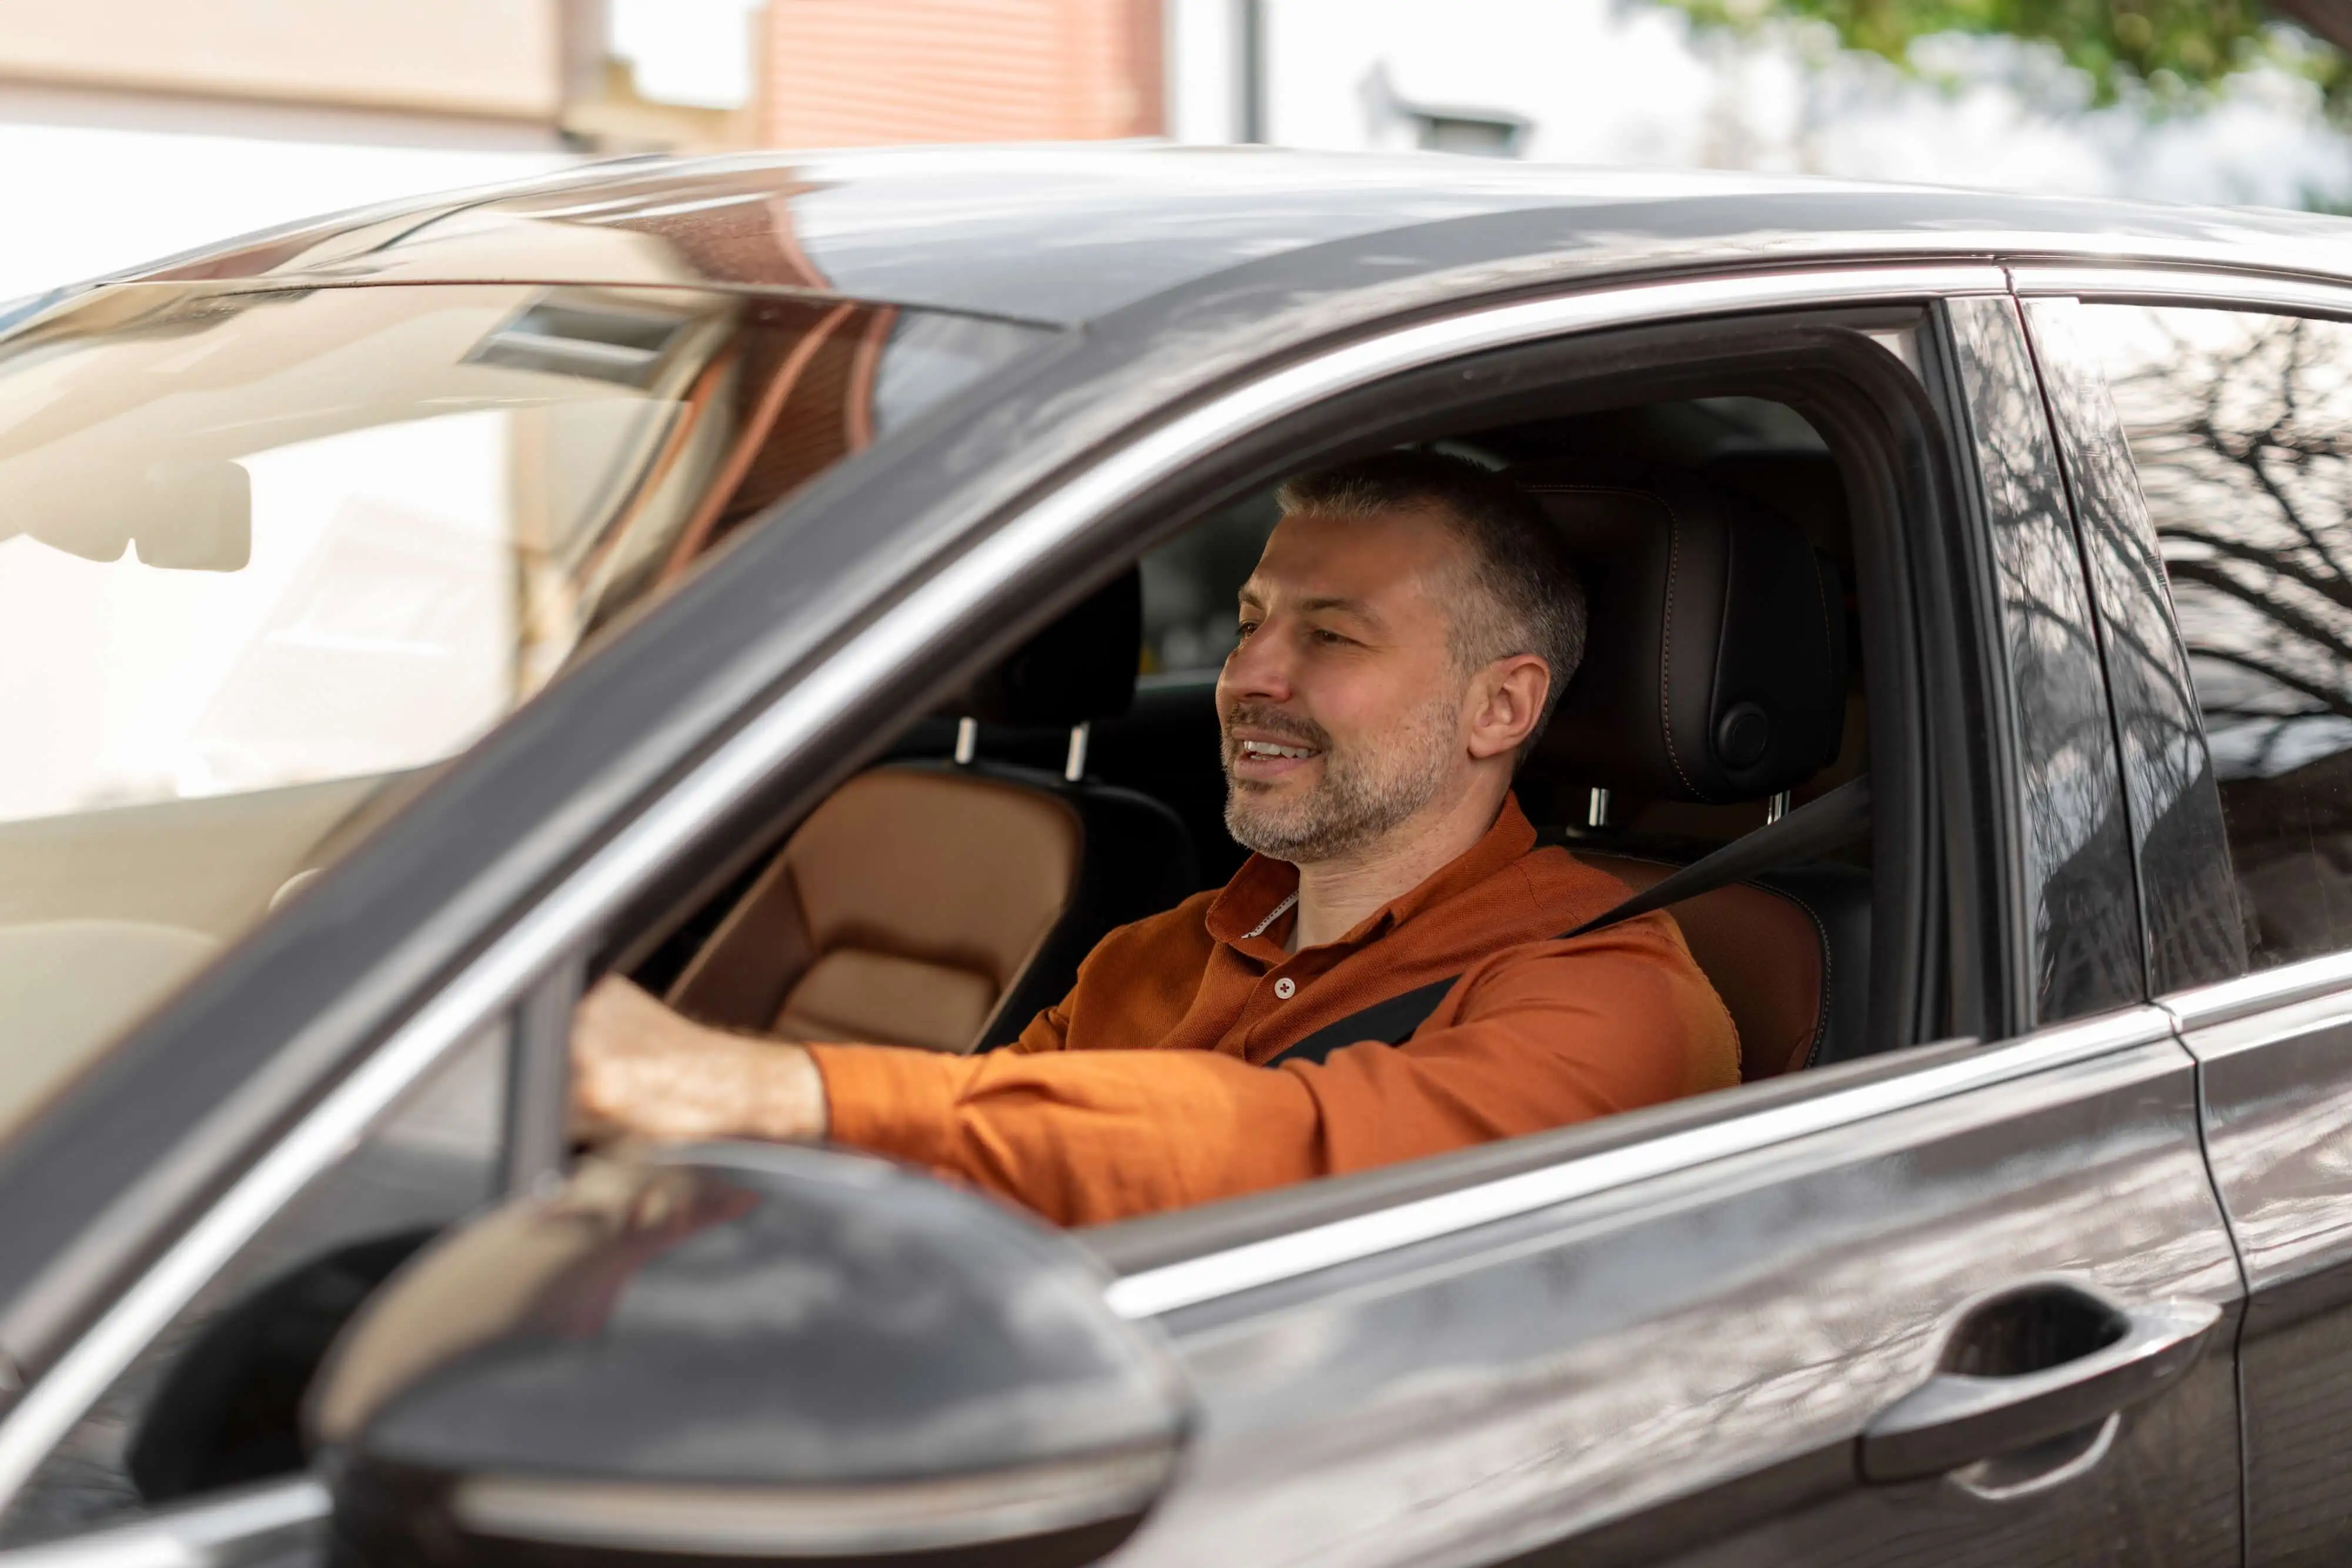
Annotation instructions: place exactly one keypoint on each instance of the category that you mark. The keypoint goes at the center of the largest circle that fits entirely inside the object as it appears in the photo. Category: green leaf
(2174, 53)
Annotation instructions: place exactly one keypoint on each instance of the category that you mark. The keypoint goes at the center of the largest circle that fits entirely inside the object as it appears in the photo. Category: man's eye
(1327, 637)
(1245, 628)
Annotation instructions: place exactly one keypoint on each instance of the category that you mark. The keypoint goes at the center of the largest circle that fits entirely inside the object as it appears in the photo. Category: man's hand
(639, 1067)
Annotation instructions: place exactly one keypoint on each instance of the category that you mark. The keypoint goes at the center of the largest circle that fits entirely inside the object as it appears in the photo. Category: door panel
(1676, 1370)
(2278, 1098)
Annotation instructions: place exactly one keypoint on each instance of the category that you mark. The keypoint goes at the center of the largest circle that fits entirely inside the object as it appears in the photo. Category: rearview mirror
(745, 1353)
(190, 515)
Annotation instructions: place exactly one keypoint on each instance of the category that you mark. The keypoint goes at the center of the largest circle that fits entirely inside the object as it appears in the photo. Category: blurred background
(131, 129)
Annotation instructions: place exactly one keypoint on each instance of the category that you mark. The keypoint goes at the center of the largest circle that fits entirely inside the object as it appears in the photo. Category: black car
(668, 568)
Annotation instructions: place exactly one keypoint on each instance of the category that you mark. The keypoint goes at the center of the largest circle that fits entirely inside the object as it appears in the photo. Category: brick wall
(842, 73)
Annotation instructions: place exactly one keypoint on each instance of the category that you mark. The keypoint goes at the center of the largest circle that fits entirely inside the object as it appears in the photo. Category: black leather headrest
(1714, 668)
(1081, 667)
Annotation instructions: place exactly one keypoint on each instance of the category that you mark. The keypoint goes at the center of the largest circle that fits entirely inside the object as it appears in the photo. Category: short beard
(1364, 793)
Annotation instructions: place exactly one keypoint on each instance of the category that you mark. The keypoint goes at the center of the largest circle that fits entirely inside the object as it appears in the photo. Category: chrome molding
(1218, 1274)
(894, 638)
(2286, 986)
(2184, 286)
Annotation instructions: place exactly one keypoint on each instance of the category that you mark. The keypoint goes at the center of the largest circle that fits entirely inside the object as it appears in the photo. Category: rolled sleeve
(894, 1101)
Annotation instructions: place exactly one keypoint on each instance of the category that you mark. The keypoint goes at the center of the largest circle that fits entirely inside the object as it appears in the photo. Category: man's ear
(1509, 697)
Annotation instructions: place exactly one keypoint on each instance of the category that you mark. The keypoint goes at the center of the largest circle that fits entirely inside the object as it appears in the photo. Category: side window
(1190, 585)
(2241, 426)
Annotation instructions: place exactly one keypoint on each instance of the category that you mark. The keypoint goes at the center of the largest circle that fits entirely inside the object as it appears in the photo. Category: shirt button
(1286, 988)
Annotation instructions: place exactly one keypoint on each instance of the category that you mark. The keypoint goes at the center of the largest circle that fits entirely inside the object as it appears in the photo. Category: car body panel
(1069, 235)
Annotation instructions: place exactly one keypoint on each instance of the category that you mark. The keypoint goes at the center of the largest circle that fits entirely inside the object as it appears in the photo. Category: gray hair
(1525, 598)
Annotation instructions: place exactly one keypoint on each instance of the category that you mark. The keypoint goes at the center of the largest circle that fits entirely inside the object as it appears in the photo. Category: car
(796, 581)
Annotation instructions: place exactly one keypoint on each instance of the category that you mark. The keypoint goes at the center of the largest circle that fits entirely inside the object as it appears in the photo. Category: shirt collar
(1249, 916)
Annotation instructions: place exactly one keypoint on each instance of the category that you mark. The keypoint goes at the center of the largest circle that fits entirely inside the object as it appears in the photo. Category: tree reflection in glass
(2242, 428)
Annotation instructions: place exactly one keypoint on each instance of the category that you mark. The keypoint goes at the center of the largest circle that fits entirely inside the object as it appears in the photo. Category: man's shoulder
(1568, 888)
(1185, 925)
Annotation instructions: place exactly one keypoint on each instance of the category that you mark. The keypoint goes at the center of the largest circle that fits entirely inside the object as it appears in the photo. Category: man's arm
(1550, 1036)
(639, 1067)
(1546, 1036)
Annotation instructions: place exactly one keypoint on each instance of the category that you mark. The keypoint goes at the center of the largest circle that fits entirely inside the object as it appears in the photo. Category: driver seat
(943, 904)
(1716, 674)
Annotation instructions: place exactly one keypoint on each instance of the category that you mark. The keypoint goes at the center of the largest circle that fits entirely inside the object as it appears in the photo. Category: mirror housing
(739, 1353)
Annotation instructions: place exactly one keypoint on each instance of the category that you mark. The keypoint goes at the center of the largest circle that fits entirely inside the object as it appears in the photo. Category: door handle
(1957, 1417)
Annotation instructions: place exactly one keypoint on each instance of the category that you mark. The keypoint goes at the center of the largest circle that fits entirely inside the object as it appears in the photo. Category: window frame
(781, 751)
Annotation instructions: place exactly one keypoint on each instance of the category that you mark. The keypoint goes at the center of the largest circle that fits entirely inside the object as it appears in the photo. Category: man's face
(1342, 706)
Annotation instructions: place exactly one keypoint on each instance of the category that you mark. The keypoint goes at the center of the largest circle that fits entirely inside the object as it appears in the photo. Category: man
(1405, 635)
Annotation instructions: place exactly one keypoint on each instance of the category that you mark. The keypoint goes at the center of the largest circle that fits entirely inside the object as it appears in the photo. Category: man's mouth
(1262, 761)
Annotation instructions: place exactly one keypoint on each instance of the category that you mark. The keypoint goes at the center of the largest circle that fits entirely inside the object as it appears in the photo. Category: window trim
(569, 918)
(2097, 283)
(2227, 1001)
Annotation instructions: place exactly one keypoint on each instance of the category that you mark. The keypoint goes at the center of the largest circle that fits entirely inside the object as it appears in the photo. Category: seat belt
(1829, 822)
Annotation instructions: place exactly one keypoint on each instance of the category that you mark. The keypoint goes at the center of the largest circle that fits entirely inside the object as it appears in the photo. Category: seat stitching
(1666, 642)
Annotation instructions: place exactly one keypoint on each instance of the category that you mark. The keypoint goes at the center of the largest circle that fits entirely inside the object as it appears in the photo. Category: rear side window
(2241, 426)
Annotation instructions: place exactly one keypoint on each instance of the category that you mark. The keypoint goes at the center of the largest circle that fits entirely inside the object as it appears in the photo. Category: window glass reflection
(267, 558)
(2241, 425)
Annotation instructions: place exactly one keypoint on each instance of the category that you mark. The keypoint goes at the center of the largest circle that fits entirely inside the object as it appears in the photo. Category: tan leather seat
(941, 906)
(900, 913)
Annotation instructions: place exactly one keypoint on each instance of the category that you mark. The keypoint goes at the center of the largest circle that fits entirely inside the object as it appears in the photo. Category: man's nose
(1258, 667)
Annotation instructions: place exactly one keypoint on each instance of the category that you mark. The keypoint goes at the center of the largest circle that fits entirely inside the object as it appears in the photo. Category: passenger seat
(942, 904)
(1715, 672)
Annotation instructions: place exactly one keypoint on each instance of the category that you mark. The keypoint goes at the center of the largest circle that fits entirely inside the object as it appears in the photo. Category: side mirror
(745, 1353)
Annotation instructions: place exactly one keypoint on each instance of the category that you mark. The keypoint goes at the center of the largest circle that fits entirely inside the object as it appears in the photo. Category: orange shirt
(1141, 1090)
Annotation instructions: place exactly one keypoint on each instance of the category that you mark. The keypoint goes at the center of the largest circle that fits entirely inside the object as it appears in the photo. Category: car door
(2222, 413)
(1719, 1332)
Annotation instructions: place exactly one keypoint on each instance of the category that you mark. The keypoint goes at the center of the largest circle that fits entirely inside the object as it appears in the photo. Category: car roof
(1062, 236)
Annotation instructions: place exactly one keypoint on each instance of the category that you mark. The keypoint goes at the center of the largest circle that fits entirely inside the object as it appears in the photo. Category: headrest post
(1776, 808)
(1075, 767)
(967, 741)
(1596, 810)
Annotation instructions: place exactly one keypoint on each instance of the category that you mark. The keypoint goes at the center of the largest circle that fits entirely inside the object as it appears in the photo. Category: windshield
(266, 557)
